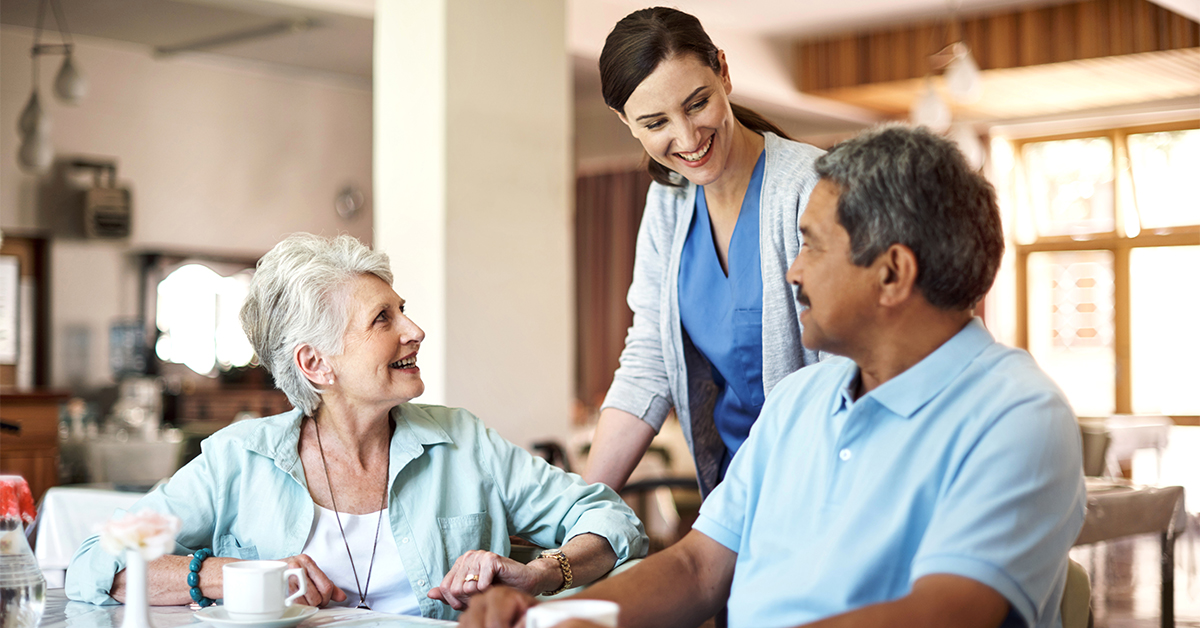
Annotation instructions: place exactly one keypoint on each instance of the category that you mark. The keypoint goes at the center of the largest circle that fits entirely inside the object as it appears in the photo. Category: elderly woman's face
(378, 364)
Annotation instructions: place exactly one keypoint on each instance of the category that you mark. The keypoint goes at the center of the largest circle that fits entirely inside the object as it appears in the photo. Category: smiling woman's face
(681, 115)
(378, 363)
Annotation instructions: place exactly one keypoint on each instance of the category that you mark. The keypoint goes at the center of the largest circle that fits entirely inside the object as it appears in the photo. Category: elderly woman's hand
(500, 607)
(320, 588)
(478, 570)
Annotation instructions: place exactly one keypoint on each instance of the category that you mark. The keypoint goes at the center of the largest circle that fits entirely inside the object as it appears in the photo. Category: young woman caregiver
(715, 324)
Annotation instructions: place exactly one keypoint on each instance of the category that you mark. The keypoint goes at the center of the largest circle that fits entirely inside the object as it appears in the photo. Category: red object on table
(16, 502)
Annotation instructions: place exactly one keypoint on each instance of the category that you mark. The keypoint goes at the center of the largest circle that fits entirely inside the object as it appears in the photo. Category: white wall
(223, 159)
(474, 172)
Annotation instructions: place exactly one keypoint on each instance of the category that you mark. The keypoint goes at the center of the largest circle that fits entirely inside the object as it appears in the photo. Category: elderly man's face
(378, 364)
(836, 296)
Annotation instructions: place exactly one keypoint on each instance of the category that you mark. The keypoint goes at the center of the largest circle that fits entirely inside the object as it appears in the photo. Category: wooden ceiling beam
(1019, 38)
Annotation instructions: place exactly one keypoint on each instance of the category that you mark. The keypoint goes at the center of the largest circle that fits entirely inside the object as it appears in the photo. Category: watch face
(551, 553)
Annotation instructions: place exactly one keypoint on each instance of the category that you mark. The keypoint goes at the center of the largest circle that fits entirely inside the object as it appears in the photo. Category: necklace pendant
(363, 605)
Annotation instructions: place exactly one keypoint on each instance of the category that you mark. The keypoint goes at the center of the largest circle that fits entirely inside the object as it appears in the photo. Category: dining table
(1119, 509)
(63, 613)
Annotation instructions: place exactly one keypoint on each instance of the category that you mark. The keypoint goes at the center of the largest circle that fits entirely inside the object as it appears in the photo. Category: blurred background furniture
(1116, 510)
(1076, 605)
(29, 437)
(66, 517)
(1109, 443)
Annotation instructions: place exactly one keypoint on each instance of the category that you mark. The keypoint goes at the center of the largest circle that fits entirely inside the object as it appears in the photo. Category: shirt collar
(277, 436)
(844, 399)
(909, 391)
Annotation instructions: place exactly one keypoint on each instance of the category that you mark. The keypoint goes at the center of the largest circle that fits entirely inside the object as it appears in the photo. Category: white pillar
(473, 201)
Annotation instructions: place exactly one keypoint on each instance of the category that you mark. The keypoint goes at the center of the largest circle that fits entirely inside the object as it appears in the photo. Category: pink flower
(16, 503)
(149, 533)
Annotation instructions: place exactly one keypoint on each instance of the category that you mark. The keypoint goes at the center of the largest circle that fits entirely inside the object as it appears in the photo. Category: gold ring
(471, 578)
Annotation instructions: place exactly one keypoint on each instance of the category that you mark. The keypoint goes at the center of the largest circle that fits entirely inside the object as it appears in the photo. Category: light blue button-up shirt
(968, 463)
(454, 485)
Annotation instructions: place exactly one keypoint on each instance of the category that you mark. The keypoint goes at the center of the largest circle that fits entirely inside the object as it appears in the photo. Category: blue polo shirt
(968, 463)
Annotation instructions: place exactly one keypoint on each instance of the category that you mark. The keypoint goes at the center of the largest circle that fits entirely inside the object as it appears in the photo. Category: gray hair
(903, 185)
(298, 296)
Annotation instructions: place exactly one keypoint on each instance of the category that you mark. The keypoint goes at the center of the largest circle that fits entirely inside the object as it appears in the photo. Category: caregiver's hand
(500, 607)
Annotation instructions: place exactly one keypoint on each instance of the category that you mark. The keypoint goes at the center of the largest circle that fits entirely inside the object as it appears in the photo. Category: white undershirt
(390, 591)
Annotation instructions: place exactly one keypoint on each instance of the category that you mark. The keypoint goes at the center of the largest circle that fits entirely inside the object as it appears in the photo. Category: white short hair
(298, 296)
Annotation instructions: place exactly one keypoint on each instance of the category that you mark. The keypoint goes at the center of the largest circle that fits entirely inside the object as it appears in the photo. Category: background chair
(1077, 597)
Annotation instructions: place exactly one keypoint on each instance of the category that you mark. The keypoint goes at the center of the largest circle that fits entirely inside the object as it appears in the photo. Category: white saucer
(292, 615)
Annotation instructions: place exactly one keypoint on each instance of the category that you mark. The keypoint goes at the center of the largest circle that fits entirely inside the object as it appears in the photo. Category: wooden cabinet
(32, 450)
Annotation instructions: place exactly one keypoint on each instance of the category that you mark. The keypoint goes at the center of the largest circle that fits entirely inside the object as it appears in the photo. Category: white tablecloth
(67, 516)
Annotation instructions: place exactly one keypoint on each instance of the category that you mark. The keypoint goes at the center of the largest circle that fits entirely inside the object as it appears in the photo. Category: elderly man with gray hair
(931, 477)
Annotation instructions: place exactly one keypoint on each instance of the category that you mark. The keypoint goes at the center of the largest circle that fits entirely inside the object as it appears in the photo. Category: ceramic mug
(550, 614)
(256, 590)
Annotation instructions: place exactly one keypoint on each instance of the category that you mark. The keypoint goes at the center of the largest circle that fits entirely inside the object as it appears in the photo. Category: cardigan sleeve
(640, 385)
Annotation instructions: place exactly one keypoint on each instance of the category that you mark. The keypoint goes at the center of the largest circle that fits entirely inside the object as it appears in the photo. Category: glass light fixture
(930, 110)
(70, 86)
(33, 118)
(36, 153)
(963, 79)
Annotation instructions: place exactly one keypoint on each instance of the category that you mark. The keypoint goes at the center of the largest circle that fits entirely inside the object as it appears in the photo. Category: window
(198, 319)
(191, 307)
(1107, 266)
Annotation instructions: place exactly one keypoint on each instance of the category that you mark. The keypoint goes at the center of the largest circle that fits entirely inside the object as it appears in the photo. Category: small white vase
(137, 610)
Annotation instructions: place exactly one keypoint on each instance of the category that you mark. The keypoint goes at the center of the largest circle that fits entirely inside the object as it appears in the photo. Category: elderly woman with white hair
(314, 486)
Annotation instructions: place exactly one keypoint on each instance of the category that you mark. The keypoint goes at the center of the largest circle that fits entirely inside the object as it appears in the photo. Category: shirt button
(404, 540)
(844, 454)
(421, 582)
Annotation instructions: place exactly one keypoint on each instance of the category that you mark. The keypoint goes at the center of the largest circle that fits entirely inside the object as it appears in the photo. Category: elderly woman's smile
(378, 362)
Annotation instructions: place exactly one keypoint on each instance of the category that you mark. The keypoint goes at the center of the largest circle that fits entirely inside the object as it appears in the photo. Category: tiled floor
(1125, 574)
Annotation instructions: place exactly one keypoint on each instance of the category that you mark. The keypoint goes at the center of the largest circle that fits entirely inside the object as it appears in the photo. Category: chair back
(1077, 597)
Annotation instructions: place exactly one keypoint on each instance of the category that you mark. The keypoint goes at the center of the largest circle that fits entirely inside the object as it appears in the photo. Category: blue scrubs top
(723, 315)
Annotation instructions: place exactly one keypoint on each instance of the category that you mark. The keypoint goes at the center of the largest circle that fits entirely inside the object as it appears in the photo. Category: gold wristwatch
(563, 564)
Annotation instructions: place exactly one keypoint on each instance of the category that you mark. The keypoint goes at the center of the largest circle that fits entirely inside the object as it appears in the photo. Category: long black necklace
(362, 590)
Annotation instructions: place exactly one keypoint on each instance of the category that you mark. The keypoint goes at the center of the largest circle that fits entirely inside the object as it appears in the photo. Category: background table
(1116, 510)
(67, 516)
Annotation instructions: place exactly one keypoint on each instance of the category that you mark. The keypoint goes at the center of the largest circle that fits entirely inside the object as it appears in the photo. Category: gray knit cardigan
(660, 367)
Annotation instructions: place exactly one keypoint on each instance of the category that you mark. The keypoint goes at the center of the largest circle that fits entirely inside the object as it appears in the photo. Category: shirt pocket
(748, 338)
(465, 533)
(229, 546)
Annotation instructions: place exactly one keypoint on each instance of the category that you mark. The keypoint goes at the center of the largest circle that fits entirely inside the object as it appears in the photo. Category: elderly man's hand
(478, 570)
(500, 607)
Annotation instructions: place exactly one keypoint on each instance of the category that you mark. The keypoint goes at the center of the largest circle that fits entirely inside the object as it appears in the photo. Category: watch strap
(564, 565)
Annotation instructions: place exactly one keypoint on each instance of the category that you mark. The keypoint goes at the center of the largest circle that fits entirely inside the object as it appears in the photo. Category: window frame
(1116, 241)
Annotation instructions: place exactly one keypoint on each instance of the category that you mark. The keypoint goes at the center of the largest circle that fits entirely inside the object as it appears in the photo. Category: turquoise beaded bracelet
(193, 577)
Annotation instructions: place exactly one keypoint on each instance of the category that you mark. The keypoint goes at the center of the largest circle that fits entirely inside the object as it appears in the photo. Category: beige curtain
(608, 210)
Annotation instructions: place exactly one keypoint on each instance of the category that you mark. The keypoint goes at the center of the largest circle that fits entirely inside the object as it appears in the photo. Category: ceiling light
(36, 153)
(69, 85)
(33, 118)
(963, 79)
(37, 150)
(930, 110)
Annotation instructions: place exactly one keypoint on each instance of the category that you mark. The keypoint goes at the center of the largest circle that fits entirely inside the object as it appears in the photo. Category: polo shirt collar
(909, 391)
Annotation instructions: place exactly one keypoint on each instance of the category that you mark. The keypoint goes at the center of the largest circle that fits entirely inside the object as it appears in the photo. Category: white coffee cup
(550, 614)
(256, 590)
